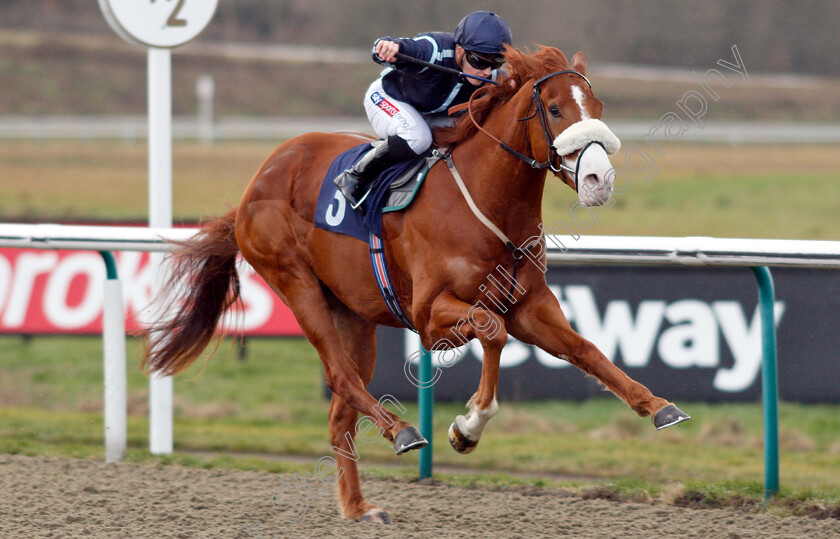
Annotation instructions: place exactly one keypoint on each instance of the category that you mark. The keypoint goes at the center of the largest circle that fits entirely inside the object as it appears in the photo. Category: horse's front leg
(453, 323)
(538, 320)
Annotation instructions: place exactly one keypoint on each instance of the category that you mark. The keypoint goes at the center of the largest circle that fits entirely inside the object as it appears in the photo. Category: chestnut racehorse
(438, 251)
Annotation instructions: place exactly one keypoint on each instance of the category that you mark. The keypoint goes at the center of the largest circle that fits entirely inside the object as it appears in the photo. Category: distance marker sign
(158, 23)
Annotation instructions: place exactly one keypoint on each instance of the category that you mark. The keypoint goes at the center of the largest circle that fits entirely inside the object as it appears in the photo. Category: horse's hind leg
(346, 346)
(358, 338)
(310, 303)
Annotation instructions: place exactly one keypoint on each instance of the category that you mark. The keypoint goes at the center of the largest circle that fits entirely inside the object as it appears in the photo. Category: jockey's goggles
(481, 62)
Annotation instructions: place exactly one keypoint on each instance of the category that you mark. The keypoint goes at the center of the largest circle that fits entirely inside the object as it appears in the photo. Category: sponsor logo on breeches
(384, 104)
(389, 108)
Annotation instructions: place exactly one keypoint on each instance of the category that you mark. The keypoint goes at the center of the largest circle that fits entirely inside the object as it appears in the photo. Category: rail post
(113, 340)
(425, 401)
(769, 380)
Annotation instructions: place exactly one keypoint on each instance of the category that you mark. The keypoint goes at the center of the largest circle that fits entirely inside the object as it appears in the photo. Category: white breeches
(390, 116)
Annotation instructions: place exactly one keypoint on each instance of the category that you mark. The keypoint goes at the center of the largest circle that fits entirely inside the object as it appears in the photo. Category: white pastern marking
(578, 96)
(473, 424)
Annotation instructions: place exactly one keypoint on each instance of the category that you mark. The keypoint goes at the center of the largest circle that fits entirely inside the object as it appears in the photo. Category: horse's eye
(554, 111)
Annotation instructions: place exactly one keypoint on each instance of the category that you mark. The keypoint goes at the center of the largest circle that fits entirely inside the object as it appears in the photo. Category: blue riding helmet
(483, 32)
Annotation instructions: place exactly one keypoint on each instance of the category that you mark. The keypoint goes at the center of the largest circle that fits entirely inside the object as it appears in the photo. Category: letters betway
(683, 334)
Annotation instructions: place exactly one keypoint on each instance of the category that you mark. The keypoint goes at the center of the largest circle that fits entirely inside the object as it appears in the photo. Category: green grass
(726, 206)
(238, 414)
(749, 191)
(701, 189)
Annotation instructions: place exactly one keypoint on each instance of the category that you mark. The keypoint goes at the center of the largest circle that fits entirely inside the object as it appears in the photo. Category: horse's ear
(579, 63)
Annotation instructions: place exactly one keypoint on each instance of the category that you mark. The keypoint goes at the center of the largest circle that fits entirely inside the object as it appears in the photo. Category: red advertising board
(61, 292)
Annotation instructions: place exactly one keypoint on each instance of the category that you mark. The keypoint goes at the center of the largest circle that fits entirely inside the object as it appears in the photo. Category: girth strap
(383, 280)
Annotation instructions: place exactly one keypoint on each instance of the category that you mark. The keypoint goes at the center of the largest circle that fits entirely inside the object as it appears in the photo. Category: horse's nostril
(592, 180)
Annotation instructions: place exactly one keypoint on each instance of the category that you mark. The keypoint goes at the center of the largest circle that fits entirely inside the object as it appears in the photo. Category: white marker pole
(159, 26)
(160, 216)
(113, 337)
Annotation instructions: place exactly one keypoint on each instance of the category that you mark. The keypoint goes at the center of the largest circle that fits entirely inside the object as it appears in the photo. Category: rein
(539, 112)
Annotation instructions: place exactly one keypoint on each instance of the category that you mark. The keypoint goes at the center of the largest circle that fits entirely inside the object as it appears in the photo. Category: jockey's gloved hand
(386, 50)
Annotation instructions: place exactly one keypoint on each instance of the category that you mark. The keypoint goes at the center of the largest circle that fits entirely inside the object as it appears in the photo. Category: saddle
(404, 187)
(393, 191)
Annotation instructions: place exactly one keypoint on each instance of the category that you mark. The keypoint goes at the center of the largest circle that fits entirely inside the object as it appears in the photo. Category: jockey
(408, 99)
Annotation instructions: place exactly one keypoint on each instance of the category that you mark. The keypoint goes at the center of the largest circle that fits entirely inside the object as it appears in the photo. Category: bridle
(554, 161)
(539, 111)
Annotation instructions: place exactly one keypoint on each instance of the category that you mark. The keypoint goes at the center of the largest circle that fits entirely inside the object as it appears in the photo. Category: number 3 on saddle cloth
(394, 190)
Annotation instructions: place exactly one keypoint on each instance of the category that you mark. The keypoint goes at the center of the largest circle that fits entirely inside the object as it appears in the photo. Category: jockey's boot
(355, 182)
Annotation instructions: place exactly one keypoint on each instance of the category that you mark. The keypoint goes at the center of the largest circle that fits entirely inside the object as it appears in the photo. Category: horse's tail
(202, 285)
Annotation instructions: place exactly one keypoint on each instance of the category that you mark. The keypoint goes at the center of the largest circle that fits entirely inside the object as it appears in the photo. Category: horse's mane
(521, 67)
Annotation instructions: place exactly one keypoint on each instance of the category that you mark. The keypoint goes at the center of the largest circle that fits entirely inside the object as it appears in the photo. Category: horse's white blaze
(595, 176)
(579, 97)
(472, 425)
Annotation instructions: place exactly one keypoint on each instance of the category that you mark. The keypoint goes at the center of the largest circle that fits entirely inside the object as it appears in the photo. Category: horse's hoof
(408, 439)
(669, 415)
(459, 442)
(376, 515)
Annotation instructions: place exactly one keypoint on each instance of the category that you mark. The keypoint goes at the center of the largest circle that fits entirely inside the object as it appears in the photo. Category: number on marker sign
(173, 19)
(158, 23)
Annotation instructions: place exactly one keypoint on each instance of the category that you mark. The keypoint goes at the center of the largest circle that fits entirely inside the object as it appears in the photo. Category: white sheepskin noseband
(581, 133)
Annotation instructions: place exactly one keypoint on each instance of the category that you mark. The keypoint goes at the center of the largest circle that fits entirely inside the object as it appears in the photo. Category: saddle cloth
(393, 191)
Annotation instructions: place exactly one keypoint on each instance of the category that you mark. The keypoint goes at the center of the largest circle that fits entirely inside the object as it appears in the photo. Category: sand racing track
(64, 497)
